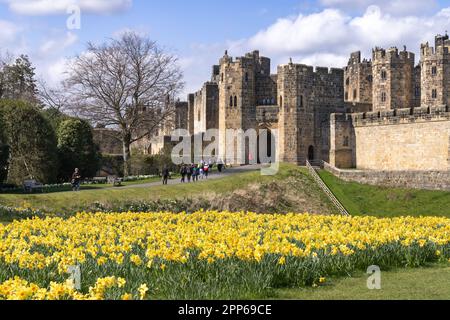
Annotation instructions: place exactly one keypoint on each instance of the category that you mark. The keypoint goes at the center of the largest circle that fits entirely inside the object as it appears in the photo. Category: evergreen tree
(17, 80)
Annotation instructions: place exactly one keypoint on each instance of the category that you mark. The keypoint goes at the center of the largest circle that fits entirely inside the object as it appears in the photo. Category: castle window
(246, 77)
(221, 77)
(346, 96)
(383, 97)
(434, 70)
(301, 101)
(383, 75)
(355, 94)
(417, 92)
(281, 101)
(231, 101)
(199, 116)
(347, 82)
(434, 94)
(369, 78)
(235, 101)
(273, 100)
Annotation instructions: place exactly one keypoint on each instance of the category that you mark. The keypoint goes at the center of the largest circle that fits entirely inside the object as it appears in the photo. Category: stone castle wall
(415, 139)
(428, 180)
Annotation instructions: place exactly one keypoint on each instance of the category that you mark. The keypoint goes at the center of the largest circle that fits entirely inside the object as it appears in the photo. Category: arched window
(434, 70)
(347, 82)
(235, 101)
(231, 101)
(221, 77)
(281, 101)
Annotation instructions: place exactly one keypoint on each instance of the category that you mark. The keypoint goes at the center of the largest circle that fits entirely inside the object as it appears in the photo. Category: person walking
(165, 174)
(189, 173)
(76, 180)
(206, 170)
(183, 173)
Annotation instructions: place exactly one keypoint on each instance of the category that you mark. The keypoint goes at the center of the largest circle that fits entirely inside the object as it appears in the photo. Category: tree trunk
(126, 155)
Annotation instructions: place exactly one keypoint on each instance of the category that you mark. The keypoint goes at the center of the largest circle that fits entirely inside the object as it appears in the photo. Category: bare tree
(124, 84)
(53, 97)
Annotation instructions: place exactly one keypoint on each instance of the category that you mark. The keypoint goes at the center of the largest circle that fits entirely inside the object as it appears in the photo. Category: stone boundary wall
(426, 180)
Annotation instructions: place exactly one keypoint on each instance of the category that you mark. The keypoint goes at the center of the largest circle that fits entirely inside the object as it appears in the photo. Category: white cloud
(8, 32)
(396, 7)
(328, 37)
(49, 7)
(324, 38)
(53, 46)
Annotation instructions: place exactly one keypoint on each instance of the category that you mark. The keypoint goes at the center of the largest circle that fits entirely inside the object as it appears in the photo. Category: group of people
(194, 172)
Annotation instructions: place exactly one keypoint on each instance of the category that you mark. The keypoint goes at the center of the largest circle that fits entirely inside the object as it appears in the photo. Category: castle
(385, 113)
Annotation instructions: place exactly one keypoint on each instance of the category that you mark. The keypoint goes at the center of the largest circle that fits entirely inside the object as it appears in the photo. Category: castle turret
(358, 80)
(435, 72)
(393, 79)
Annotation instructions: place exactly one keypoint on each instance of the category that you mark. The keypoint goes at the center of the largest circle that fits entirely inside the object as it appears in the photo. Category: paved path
(212, 176)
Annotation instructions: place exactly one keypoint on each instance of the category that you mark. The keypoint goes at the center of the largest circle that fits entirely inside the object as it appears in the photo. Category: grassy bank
(292, 189)
(432, 283)
(361, 199)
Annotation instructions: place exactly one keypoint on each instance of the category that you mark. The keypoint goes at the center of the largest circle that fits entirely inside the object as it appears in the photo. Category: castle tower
(435, 70)
(393, 79)
(237, 99)
(296, 117)
(358, 80)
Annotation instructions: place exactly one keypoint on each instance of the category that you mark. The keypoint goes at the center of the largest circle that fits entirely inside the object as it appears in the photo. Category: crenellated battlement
(441, 48)
(392, 55)
(395, 117)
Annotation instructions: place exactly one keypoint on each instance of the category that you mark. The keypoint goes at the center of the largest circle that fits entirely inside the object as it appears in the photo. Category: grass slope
(406, 284)
(236, 188)
(361, 199)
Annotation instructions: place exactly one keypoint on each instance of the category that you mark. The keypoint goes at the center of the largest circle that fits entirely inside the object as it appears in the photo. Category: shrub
(76, 149)
(31, 141)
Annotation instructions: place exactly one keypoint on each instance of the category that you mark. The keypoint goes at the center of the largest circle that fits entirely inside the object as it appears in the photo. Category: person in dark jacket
(165, 175)
(76, 180)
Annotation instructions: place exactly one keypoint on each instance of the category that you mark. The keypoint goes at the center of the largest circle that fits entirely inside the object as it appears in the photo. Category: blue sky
(320, 32)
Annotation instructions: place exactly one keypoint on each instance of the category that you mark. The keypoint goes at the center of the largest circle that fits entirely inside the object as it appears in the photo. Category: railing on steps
(324, 187)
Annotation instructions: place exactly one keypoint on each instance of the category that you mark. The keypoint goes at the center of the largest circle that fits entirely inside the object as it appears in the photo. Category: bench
(31, 185)
(99, 180)
(115, 181)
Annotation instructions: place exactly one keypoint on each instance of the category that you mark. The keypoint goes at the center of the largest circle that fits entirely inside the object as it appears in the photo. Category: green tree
(32, 143)
(17, 80)
(77, 149)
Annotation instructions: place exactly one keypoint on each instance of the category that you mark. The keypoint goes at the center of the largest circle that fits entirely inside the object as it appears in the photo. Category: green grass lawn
(70, 201)
(361, 199)
(431, 283)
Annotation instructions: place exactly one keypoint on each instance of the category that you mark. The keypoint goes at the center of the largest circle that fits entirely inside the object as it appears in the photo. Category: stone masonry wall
(428, 180)
(405, 139)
